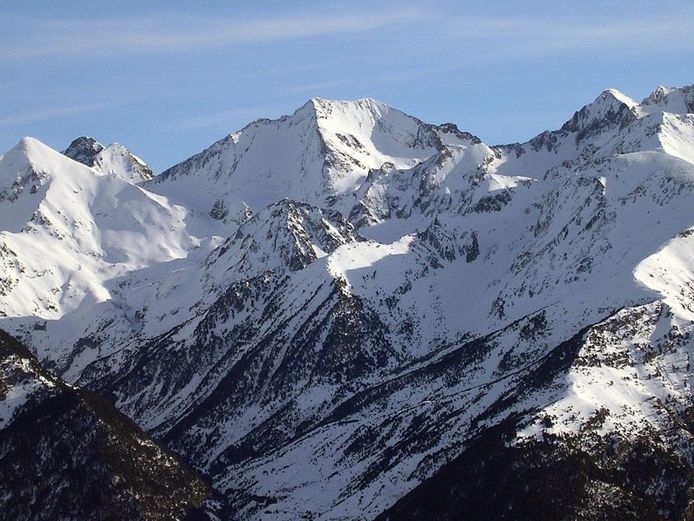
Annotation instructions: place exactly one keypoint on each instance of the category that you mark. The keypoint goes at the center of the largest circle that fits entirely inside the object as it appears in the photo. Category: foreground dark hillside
(68, 454)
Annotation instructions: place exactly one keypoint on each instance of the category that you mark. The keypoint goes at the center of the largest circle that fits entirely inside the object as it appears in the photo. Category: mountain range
(348, 313)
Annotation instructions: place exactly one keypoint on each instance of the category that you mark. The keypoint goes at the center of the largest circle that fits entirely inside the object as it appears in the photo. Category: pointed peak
(114, 159)
(660, 92)
(84, 150)
(29, 148)
(324, 107)
(18, 155)
(611, 107)
(318, 101)
(85, 140)
(116, 149)
(670, 99)
(610, 99)
(31, 155)
(617, 96)
(118, 160)
(28, 142)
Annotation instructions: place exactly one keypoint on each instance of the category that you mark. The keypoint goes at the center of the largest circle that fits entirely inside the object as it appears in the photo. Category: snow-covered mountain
(323, 151)
(67, 230)
(347, 312)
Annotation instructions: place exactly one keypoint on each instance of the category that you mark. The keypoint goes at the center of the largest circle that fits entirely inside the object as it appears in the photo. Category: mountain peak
(610, 108)
(660, 92)
(325, 149)
(329, 108)
(670, 99)
(84, 150)
(319, 102)
(28, 144)
(28, 152)
(25, 143)
(609, 100)
(617, 96)
(114, 159)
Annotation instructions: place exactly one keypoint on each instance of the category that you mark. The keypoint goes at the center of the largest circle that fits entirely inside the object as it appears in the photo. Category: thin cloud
(42, 37)
(569, 34)
(315, 87)
(228, 117)
(53, 112)
(481, 37)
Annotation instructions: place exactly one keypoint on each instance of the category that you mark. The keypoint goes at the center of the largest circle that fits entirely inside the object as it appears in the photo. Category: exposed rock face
(84, 150)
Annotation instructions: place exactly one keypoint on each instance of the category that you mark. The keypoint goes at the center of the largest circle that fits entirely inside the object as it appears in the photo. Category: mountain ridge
(351, 277)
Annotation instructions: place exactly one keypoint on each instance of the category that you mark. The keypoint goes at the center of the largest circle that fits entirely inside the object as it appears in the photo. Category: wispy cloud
(397, 31)
(43, 37)
(316, 87)
(53, 112)
(233, 116)
(576, 33)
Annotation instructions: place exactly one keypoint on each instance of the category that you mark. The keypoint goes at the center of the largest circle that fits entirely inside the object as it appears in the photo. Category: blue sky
(168, 78)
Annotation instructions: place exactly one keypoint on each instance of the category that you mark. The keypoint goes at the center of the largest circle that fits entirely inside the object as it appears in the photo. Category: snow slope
(68, 230)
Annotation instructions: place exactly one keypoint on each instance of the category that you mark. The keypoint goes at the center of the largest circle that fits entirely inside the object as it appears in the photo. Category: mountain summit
(114, 159)
(330, 145)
